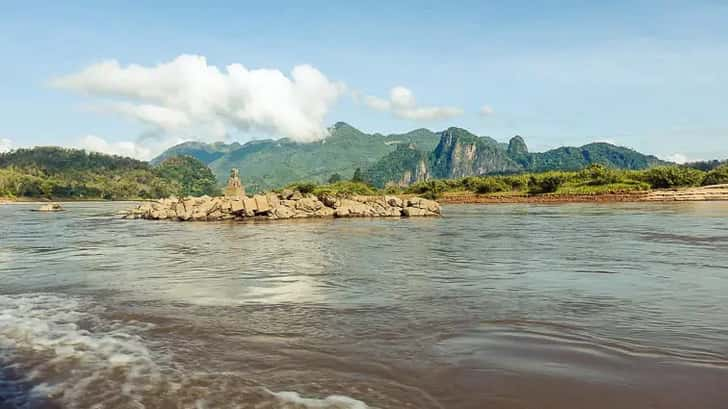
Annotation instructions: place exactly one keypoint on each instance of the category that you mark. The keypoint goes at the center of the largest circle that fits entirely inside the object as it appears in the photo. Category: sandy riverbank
(705, 193)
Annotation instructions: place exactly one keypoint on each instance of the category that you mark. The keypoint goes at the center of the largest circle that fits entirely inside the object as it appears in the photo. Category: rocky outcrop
(50, 207)
(284, 205)
(461, 153)
(517, 146)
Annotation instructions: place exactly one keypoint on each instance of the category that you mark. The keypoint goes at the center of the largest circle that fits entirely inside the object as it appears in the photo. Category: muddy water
(503, 306)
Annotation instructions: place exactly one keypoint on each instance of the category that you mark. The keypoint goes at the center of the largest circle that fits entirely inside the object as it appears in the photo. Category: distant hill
(266, 164)
(461, 153)
(204, 152)
(400, 158)
(55, 172)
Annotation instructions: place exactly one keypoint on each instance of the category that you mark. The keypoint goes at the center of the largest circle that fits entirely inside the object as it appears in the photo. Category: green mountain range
(397, 158)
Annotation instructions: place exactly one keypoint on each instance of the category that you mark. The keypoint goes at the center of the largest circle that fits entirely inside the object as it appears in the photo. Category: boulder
(420, 203)
(273, 200)
(261, 204)
(283, 212)
(309, 205)
(50, 207)
(250, 206)
(236, 206)
(415, 211)
(393, 201)
(324, 212)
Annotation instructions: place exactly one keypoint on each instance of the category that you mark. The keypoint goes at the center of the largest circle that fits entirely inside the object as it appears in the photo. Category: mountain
(54, 172)
(266, 164)
(204, 152)
(461, 153)
(398, 158)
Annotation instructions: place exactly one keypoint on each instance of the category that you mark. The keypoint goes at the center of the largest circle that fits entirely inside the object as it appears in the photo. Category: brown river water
(501, 306)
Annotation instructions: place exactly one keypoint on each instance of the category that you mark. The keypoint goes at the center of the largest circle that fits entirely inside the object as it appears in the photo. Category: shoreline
(713, 193)
(695, 194)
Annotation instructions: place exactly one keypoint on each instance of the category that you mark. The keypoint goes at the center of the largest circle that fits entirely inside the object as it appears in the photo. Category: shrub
(490, 185)
(716, 176)
(303, 187)
(517, 182)
(597, 175)
(335, 178)
(343, 188)
(431, 189)
(673, 176)
(545, 183)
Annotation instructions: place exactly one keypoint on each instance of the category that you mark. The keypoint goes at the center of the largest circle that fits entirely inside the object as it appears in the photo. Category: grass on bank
(593, 180)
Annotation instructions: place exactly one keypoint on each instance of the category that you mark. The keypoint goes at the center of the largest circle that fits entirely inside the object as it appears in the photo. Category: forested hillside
(53, 172)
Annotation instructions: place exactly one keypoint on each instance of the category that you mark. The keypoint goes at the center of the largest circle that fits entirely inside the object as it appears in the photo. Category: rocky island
(286, 204)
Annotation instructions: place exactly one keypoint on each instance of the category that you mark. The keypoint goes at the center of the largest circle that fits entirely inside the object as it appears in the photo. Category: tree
(193, 176)
(357, 176)
(335, 178)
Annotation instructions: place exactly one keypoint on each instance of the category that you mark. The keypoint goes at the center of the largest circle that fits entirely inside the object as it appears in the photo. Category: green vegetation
(193, 177)
(717, 176)
(272, 164)
(52, 172)
(396, 159)
(673, 176)
(594, 179)
(591, 180)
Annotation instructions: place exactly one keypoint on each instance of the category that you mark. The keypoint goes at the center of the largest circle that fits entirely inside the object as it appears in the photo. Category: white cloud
(124, 148)
(677, 158)
(188, 97)
(402, 104)
(5, 145)
(486, 110)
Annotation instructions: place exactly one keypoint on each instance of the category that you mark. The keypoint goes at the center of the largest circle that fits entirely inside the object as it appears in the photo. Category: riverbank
(705, 193)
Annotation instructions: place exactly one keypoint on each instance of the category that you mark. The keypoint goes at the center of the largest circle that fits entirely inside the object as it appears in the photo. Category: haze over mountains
(396, 158)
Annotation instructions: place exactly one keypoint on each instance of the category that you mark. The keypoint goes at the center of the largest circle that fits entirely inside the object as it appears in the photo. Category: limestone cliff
(461, 153)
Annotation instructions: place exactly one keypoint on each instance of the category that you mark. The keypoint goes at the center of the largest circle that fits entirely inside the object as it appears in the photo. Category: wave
(61, 351)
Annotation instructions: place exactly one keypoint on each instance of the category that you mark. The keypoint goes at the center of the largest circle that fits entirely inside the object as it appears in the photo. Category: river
(499, 306)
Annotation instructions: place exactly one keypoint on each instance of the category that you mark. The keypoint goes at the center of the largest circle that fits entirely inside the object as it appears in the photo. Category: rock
(309, 205)
(250, 206)
(50, 207)
(420, 203)
(273, 200)
(236, 206)
(415, 211)
(235, 188)
(283, 212)
(272, 206)
(331, 201)
(393, 201)
(324, 212)
(352, 208)
(261, 204)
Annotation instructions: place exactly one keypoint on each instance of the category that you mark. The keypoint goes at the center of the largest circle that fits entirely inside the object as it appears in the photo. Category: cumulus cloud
(5, 145)
(122, 148)
(677, 158)
(402, 104)
(486, 110)
(187, 96)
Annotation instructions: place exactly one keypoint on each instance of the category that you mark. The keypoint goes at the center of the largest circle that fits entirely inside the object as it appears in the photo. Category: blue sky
(651, 75)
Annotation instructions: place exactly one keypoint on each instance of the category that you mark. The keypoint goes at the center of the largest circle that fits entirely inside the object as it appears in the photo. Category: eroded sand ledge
(692, 194)
(284, 205)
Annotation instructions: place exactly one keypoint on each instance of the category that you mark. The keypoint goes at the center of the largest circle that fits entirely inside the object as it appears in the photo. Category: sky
(134, 78)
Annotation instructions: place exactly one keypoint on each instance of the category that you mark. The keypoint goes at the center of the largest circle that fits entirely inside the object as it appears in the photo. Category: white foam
(295, 401)
(43, 335)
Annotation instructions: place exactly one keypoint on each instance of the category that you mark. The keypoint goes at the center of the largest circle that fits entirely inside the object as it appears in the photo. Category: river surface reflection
(501, 306)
